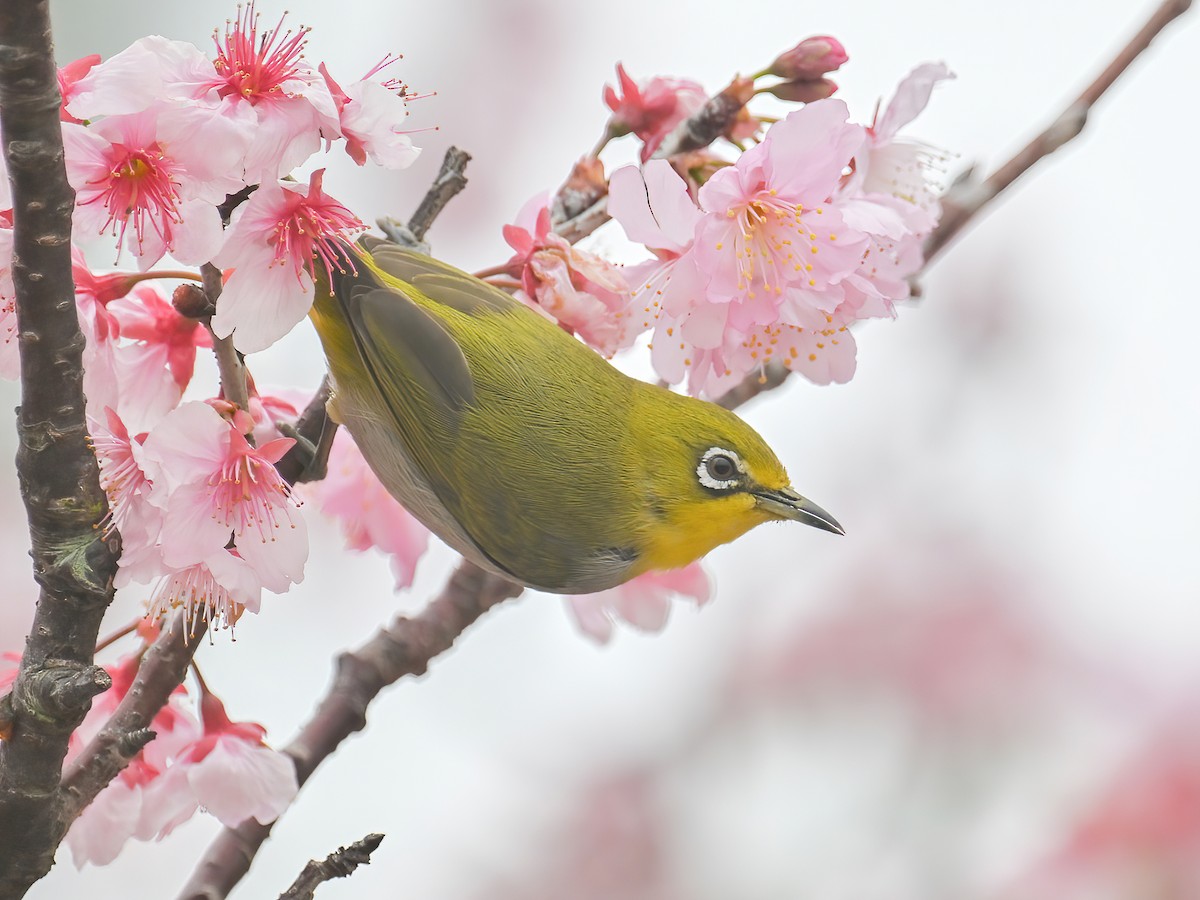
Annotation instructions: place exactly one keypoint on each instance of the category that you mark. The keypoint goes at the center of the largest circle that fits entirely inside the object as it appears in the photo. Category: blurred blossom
(369, 516)
(614, 842)
(1139, 837)
(644, 602)
(956, 646)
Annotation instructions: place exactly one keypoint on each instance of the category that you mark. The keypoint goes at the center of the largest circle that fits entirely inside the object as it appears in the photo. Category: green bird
(520, 447)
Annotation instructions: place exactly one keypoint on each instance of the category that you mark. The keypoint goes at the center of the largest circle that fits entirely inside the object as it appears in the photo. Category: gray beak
(787, 504)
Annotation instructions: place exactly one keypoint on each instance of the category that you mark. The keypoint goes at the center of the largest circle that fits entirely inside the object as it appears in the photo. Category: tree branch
(709, 122)
(234, 386)
(968, 197)
(449, 181)
(338, 864)
(73, 562)
(403, 648)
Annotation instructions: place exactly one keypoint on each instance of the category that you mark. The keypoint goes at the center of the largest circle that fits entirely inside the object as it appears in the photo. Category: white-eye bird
(520, 447)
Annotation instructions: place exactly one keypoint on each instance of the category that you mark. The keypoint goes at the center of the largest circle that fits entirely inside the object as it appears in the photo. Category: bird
(522, 448)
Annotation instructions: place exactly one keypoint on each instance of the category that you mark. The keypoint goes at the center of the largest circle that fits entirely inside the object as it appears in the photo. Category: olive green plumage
(518, 445)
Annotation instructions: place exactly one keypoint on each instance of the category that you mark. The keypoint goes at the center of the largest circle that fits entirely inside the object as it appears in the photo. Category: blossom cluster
(194, 762)
(163, 141)
(769, 257)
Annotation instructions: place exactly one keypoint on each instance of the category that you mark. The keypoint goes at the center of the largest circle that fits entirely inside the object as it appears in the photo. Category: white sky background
(1041, 401)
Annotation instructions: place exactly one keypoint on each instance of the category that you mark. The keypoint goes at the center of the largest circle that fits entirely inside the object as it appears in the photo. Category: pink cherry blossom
(652, 109)
(68, 77)
(133, 179)
(582, 292)
(912, 96)
(896, 172)
(644, 602)
(368, 515)
(150, 318)
(218, 485)
(215, 590)
(893, 198)
(94, 292)
(100, 832)
(228, 771)
(370, 113)
(271, 248)
(149, 71)
(292, 103)
(772, 236)
(127, 478)
(755, 272)
(258, 100)
(145, 375)
(267, 410)
(655, 209)
(118, 812)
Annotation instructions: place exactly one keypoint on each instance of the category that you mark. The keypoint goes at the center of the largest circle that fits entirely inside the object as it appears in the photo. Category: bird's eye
(719, 469)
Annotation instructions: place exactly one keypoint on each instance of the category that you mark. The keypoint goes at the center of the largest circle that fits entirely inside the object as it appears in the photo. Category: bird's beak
(787, 504)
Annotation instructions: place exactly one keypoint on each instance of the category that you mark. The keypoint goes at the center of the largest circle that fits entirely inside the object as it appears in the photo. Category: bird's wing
(403, 344)
(440, 282)
(426, 386)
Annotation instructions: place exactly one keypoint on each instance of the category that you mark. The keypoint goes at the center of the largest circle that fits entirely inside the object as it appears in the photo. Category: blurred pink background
(988, 689)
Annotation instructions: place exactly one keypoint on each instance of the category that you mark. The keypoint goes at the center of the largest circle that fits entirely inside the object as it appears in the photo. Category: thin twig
(73, 561)
(338, 864)
(968, 197)
(772, 376)
(584, 223)
(449, 181)
(403, 648)
(709, 122)
(234, 386)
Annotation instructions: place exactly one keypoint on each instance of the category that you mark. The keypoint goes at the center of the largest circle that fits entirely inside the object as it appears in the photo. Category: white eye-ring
(719, 469)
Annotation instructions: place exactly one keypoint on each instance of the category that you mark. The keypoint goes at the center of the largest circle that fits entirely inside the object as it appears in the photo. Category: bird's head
(712, 479)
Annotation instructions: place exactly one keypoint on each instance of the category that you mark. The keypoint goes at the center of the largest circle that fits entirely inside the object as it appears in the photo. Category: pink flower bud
(809, 59)
(803, 91)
